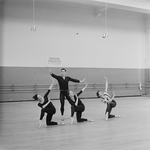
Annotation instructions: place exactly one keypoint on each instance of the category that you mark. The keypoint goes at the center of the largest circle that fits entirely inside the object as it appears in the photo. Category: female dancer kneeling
(46, 107)
(78, 107)
(106, 98)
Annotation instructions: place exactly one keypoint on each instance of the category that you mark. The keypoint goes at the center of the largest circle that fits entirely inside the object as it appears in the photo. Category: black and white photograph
(74, 74)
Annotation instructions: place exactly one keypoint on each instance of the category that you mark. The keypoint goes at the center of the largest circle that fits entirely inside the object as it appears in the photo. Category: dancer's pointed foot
(106, 116)
(90, 120)
(117, 116)
(71, 120)
(40, 123)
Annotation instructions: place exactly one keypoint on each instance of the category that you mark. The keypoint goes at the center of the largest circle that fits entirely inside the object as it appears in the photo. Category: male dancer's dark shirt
(63, 83)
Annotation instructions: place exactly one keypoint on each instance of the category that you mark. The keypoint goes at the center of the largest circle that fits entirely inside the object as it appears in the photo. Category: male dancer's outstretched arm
(70, 79)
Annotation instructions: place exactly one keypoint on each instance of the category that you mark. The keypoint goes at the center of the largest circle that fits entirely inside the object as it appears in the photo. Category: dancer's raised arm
(106, 84)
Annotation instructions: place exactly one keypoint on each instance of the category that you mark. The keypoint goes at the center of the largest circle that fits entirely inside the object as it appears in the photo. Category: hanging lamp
(33, 27)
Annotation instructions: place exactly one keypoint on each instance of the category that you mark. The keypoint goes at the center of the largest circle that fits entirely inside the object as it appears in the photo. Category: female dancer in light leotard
(107, 99)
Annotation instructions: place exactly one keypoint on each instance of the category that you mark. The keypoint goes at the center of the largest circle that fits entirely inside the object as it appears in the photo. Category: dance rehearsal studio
(74, 74)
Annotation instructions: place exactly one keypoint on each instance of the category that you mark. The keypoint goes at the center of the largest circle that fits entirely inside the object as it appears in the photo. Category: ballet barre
(91, 86)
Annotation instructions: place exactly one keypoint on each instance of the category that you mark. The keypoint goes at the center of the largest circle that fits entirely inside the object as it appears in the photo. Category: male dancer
(79, 106)
(63, 81)
(46, 107)
(106, 98)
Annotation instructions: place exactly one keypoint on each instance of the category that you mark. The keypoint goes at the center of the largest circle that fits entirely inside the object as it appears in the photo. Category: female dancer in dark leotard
(79, 107)
(46, 107)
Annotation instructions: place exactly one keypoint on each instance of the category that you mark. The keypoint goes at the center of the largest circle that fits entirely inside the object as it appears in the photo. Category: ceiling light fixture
(105, 34)
(33, 27)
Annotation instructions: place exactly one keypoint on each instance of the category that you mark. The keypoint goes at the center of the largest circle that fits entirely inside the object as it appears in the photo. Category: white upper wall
(73, 34)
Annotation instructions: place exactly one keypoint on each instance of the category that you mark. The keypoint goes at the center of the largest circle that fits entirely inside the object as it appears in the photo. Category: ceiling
(140, 6)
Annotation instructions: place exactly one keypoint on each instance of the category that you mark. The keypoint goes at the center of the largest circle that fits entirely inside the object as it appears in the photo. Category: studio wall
(72, 33)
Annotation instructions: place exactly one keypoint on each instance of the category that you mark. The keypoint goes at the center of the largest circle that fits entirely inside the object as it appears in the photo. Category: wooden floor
(19, 127)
